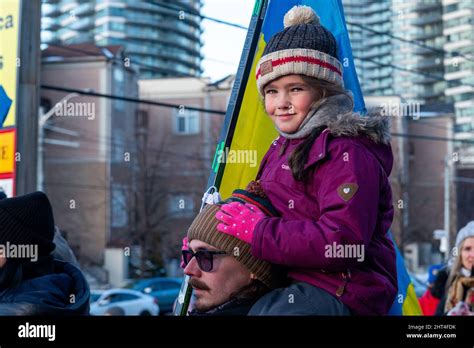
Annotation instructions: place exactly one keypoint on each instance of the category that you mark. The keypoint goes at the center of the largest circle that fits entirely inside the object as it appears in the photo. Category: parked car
(165, 290)
(128, 302)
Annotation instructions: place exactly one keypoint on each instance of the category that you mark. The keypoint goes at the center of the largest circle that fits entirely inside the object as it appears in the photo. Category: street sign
(9, 34)
(5, 104)
(9, 64)
(7, 151)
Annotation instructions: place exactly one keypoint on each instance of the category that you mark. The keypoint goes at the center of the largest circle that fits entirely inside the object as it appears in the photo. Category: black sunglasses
(204, 258)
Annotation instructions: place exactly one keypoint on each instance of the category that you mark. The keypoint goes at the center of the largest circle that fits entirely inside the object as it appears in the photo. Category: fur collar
(335, 113)
(347, 123)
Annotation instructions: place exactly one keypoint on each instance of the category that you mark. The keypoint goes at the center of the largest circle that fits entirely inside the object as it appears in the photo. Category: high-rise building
(420, 50)
(420, 23)
(458, 30)
(372, 52)
(162, 39)
(378, 56)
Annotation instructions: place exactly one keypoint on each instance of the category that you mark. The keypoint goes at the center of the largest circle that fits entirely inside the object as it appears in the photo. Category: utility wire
(196, 13)
(416, 72)
(136, 100)
(412, 42)
(131, 100)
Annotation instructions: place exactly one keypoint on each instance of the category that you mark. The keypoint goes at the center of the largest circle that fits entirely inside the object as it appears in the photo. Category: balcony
(427, 19)
(83, 24)
(84, 9)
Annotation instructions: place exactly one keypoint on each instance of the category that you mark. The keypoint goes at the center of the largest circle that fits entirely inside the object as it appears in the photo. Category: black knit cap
(27, 220)
(309, 35)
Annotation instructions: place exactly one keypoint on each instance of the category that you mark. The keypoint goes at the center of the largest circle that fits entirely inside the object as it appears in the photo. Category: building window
(186, 121)
(180, 205)
(142, 119)
(119, 206)
(118, 145)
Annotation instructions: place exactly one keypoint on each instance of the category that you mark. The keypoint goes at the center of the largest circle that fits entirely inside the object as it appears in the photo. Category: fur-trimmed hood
(337, 115)
(374, 126)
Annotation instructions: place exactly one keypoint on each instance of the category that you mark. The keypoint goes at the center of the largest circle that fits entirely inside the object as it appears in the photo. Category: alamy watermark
(75, 109)
(19, 251)
(237, 156)
(401, 109)
(349, 251)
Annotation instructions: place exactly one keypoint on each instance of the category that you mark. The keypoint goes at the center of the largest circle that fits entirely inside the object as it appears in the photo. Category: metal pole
(28, 96)
(446, 204)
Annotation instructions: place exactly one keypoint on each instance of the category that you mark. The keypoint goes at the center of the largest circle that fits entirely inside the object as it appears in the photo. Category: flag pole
(230, 121)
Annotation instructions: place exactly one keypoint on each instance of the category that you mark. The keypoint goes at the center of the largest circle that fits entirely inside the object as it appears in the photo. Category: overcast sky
(222, 43)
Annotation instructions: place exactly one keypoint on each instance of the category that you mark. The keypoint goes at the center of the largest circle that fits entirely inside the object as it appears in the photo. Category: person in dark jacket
(226, 278)
(32, 282)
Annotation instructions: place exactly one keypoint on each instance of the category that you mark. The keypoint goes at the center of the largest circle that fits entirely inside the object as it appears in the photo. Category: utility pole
(28, 96)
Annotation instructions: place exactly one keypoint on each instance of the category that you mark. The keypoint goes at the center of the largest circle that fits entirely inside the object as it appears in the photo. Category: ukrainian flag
(248, 128)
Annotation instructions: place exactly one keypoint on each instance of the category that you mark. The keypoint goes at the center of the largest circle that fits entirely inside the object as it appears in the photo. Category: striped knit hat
(303, 47)
(204, 228)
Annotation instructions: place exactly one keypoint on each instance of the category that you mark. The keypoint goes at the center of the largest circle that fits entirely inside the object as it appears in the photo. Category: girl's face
(467, 253)
(288, 101)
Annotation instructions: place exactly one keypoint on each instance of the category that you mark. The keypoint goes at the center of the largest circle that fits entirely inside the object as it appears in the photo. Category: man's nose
(192, 268)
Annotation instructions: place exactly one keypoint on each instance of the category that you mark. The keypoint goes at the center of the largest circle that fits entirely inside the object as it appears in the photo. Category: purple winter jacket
(346, 204)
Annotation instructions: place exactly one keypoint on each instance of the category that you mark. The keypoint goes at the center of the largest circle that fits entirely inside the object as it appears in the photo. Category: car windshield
(141, 285)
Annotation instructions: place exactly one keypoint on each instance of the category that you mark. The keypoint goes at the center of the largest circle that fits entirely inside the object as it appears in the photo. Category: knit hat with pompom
(303, 47)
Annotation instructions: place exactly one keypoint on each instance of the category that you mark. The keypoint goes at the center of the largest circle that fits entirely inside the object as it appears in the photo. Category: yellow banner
(9, 29)
(7, 152)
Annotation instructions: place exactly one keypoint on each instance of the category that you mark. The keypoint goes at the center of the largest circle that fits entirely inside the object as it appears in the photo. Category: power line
(138, 101)
(361, 26)
(424, 124)
(428, 137)
(412, 42)
(198, 14)
(190, 11)
(131, 100)
(110, 142)
(416, 72)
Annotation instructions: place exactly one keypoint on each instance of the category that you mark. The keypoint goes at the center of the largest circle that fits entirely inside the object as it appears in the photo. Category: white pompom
(300, 15)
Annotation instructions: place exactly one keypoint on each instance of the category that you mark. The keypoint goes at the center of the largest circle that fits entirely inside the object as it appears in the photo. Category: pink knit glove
(239, 220)
(184, 247)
